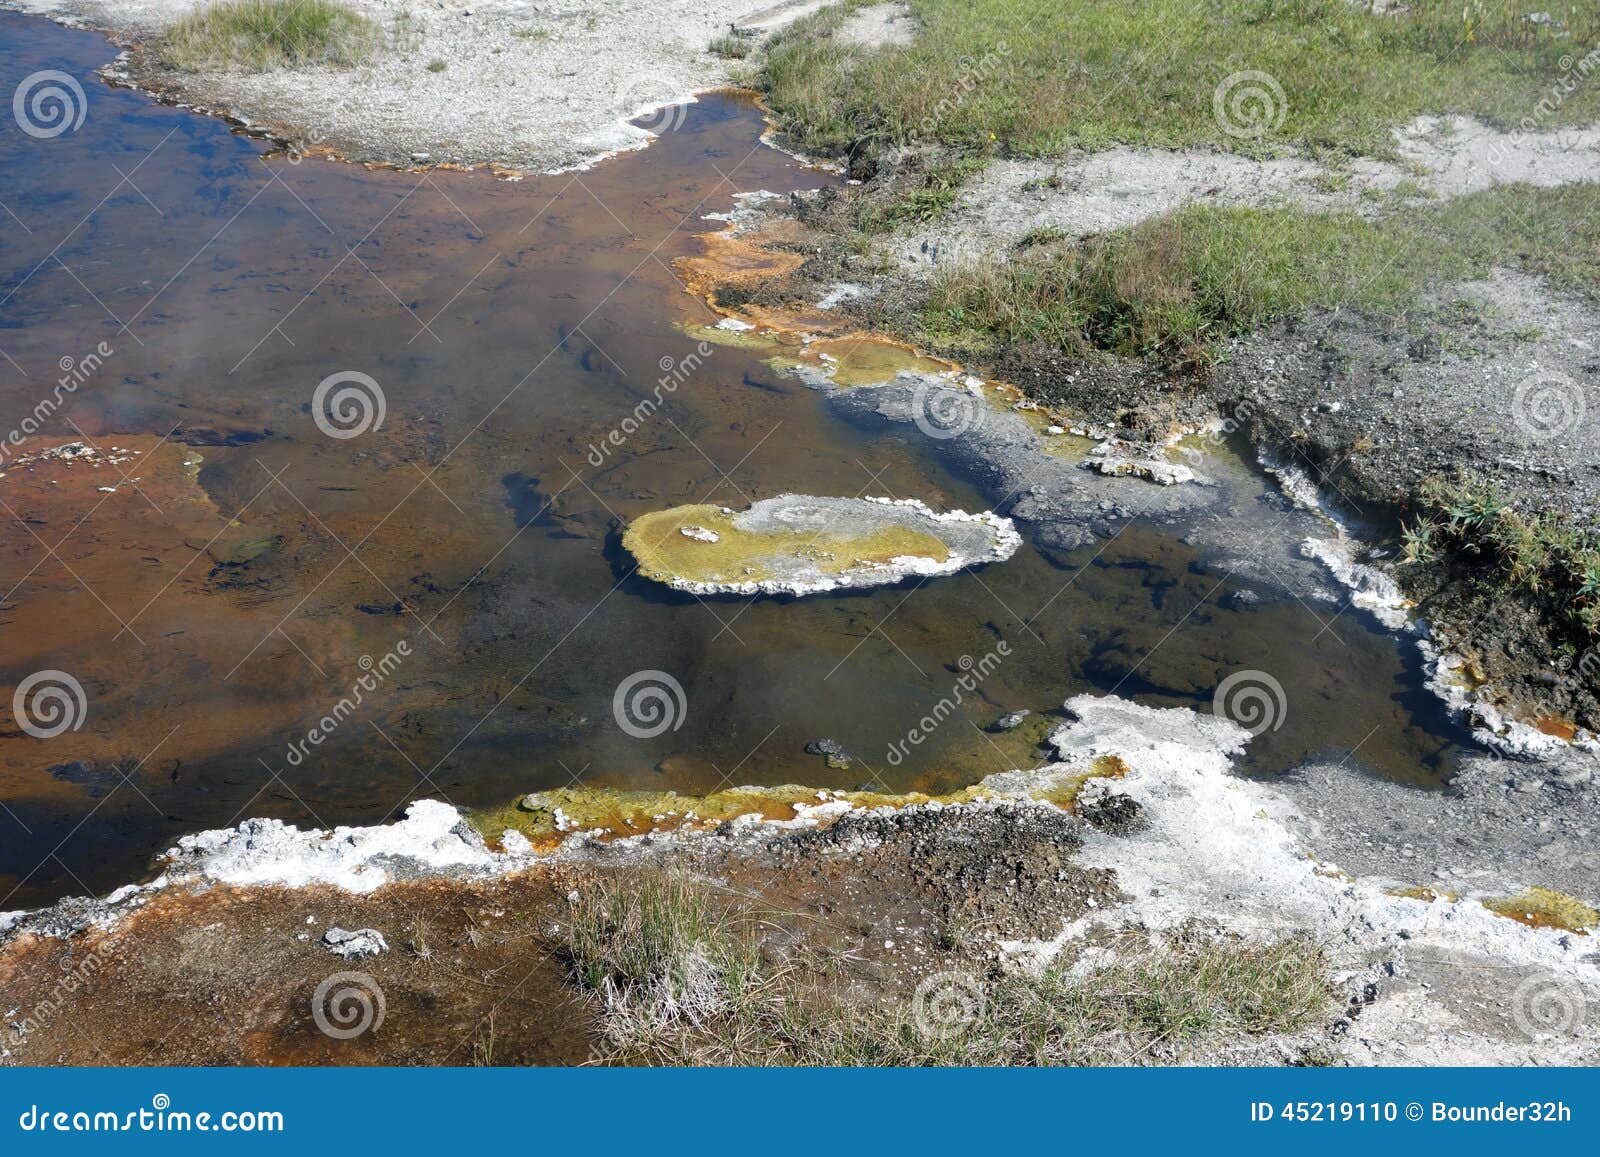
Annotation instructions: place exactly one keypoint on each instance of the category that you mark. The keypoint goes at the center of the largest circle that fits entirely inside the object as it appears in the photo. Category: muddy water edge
(218, 572)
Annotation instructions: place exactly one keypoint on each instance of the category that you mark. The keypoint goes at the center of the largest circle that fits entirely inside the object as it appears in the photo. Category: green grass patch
(1536, 554)
(1179, 285)
(731, 47)
(257, 35)
(922, 199)
(1039, 76)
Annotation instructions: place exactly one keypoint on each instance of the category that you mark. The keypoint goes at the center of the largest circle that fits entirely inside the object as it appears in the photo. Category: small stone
(838, 758)
(515, 843)
(1011, 721)
(354, 945)
(699, 533)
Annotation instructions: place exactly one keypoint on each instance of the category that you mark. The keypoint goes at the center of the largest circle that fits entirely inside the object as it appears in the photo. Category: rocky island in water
(797, 544)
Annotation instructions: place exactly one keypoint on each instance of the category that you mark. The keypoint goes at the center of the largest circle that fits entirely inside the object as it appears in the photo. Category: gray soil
(1458, 387)
(226, 976)
(1502, 825)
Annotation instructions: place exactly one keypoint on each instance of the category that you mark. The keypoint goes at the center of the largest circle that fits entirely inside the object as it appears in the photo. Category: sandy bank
(528, 86)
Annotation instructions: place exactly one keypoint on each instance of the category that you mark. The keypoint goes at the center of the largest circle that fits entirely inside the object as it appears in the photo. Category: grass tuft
(1179, 285)
(731, 47)
(681, 980)
(1539, 555)
(257, 35)
(659, 954)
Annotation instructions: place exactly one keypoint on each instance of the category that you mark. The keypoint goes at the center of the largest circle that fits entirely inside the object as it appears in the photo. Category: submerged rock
(797, 544)
(837, 756)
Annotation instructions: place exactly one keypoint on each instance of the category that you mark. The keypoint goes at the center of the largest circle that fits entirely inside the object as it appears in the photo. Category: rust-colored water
(218, 590)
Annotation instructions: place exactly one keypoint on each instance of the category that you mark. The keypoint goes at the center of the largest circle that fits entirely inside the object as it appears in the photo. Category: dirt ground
(474, 973)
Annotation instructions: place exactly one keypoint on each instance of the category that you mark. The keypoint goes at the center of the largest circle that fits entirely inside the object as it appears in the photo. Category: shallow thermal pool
(221, 572)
